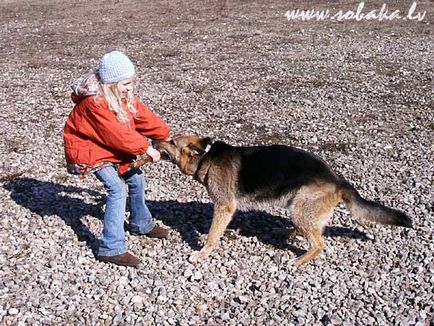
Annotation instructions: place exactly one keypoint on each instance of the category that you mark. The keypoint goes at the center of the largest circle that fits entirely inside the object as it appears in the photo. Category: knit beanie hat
(114, 67)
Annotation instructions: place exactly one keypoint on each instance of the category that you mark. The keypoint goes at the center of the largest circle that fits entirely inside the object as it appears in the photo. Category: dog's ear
(194, 149)
(191, 151)
(199, 148)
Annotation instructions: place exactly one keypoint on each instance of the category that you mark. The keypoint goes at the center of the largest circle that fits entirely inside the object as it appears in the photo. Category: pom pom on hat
(114, 67)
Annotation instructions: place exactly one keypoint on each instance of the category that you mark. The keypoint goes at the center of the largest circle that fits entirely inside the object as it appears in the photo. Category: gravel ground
(358, 93)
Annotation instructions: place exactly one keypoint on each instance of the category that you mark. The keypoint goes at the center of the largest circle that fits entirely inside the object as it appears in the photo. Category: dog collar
(200, 164)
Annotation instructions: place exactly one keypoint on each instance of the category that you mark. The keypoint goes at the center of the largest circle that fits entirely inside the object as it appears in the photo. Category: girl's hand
(154, 154)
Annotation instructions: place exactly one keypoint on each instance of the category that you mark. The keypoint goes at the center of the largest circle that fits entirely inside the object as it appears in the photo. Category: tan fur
(312, 208)
(222, 216)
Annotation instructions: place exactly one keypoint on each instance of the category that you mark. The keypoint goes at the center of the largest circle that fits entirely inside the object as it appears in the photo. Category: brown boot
(158, 232)
(125, 259)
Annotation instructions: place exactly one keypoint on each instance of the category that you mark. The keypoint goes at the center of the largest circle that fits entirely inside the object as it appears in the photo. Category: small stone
(188, 272)
(123, 280)
(137, 299)
(225, 316)
(200, 308)
(197, 275)
(273, 269)
(243, 298)
(13, 311)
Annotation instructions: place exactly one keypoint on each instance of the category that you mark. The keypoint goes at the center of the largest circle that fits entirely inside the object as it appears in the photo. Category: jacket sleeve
(108, 131)
(149, 124)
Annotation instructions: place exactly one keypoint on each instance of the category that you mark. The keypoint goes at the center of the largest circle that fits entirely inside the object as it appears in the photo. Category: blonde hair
(111, 94)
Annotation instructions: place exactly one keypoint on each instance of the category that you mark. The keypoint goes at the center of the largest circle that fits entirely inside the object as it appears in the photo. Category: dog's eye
(171, 142)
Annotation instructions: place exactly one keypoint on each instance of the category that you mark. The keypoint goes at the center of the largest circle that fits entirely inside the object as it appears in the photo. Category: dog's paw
(197, 256)
(194, 257)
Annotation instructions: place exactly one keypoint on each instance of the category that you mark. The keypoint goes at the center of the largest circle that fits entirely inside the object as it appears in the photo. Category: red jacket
(92, 133)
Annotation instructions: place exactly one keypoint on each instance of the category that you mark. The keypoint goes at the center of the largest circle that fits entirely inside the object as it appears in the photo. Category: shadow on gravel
(190, 219)
(193, 219)
(47, 198)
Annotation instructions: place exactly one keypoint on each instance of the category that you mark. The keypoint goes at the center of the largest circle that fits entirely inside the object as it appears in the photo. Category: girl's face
(125, 86)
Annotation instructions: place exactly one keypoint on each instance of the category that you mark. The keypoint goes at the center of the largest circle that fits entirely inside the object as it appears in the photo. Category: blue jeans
(113, 234)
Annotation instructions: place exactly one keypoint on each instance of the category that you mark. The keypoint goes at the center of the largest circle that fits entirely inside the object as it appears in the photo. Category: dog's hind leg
(222, 216)
(316, 246)
(310, 215)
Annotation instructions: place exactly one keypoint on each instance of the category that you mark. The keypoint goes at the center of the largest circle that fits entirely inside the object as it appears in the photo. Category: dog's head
(184, 150)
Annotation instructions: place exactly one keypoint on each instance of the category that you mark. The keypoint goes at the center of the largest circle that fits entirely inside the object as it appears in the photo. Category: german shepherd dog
(254, 177)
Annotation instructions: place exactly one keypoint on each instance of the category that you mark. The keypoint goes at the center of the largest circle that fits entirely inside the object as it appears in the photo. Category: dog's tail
(370, 211)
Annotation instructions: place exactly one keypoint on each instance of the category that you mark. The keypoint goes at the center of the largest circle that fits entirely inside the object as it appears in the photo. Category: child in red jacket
(104, 133)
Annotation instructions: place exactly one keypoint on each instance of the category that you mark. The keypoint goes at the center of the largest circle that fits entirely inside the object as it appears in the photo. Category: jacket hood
(84, 86)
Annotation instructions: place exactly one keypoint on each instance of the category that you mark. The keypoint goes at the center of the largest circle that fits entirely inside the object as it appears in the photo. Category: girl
(107, 128)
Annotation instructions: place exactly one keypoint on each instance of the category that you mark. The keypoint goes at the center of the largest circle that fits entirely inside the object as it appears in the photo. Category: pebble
(197, 275)
(13, 311)
(137, 299)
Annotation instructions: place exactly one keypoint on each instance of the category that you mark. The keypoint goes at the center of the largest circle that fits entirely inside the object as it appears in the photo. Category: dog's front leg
(222, 216)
